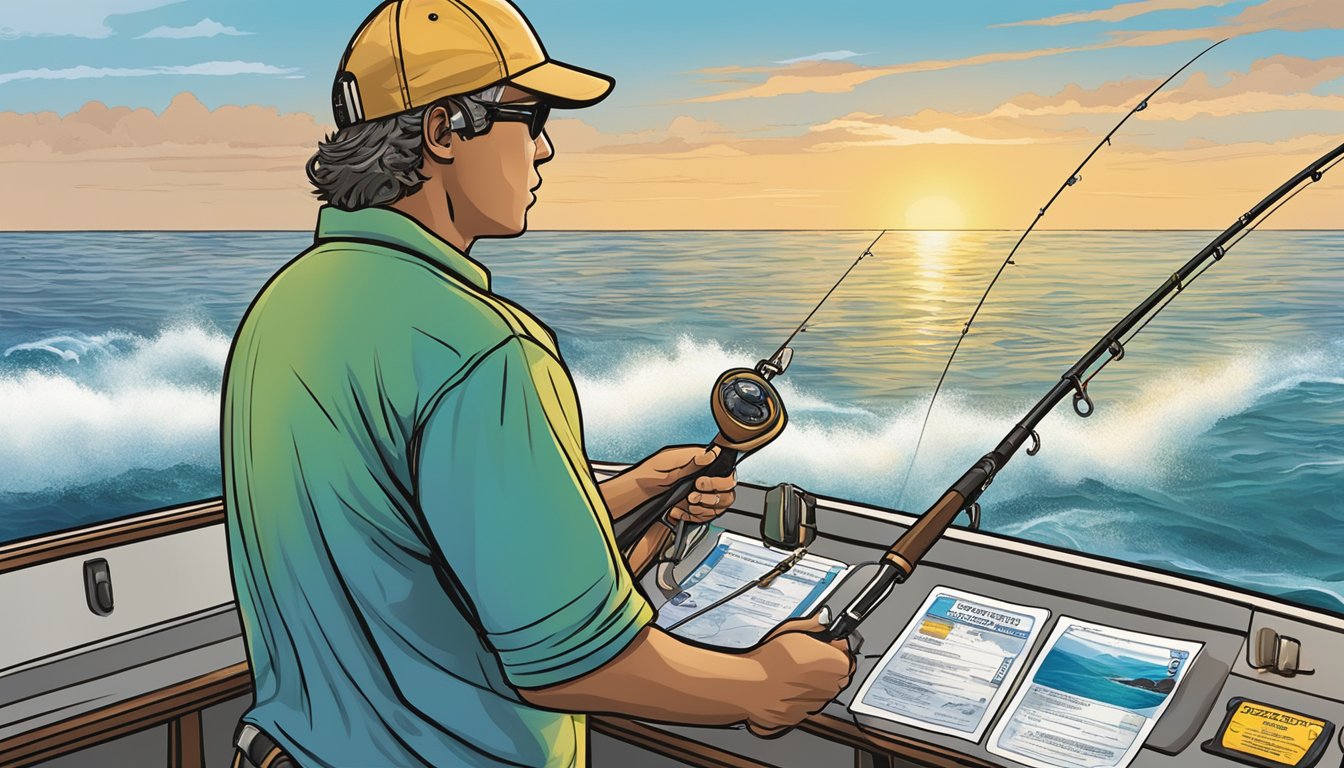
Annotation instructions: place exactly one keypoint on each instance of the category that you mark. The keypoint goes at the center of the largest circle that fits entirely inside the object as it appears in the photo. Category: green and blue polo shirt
(413, 526)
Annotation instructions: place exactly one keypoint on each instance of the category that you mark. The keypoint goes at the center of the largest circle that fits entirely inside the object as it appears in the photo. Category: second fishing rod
(904, 555)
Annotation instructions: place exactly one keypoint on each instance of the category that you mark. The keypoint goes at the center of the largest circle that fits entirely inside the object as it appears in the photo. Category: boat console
(162, 676)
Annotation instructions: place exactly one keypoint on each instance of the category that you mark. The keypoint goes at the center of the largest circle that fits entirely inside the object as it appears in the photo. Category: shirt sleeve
(510, 504)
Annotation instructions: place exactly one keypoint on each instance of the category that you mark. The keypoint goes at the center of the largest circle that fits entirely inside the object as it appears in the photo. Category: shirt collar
(385, 226)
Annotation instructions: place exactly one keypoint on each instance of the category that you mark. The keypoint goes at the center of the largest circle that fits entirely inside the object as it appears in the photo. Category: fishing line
(1073, 178)
(750, 414)
(866, 252)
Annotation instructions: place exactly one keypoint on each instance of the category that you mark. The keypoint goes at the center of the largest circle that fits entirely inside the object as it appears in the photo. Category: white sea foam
(115, 402)
(1136, 441)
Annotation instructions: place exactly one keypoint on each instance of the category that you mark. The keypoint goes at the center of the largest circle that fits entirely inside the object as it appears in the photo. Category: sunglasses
(534, 115)
(484, 114)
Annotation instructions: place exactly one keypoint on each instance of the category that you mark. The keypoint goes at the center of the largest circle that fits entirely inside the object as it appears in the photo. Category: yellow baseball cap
(410, 53)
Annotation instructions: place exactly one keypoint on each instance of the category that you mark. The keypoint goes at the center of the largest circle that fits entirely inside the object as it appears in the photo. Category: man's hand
(663, 470)
(802, 674)
(711, 496)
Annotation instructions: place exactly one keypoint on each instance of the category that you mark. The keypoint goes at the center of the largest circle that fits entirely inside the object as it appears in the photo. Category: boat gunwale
(203, 513)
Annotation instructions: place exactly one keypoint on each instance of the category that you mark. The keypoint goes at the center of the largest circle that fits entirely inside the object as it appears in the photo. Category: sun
(934, 212)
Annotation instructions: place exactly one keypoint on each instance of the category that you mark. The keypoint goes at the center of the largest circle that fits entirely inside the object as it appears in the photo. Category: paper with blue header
(745, 620)
(953, 664)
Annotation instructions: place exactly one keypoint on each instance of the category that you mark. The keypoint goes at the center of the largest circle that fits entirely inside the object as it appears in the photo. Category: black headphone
(346, 105)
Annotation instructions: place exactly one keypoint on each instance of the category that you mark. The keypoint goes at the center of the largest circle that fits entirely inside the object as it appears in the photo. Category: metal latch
(98, 586)
(1279, 654)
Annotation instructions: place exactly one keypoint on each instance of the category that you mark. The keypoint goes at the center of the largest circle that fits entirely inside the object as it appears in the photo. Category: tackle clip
(974, 512)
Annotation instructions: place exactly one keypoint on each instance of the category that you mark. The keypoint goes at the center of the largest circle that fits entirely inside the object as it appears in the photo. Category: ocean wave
(79, 407)
(1134, 441)
(94, 407)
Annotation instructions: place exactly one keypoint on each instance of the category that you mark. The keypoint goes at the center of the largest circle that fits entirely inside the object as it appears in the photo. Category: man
(423, 560)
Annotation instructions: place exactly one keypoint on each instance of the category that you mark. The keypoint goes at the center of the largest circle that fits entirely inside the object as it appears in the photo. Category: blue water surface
(1217, 448)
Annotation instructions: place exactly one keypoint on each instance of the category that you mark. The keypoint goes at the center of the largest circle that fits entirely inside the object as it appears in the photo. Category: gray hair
(371, 163)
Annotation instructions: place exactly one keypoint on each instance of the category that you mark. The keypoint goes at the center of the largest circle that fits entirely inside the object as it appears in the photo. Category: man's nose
(545, 150)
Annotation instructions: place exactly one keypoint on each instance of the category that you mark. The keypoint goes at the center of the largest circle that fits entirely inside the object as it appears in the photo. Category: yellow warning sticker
(938, 629)
(1270, 733)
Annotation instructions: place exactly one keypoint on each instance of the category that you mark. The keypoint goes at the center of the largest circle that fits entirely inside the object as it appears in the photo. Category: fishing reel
(749, 413)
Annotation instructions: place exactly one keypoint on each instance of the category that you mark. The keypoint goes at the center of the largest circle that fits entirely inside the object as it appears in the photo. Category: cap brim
(564, 85)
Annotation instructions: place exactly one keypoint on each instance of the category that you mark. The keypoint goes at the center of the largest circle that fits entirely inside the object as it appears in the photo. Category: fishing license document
(744, 621)
(952, 666)
(1092, 696)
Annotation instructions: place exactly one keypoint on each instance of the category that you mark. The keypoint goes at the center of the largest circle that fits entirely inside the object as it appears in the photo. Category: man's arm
(508, 504)
(658, 677)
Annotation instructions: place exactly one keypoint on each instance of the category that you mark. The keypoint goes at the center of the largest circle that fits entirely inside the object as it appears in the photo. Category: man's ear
(438, 133)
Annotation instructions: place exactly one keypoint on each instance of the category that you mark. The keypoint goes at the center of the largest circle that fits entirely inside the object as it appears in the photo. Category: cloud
(870, 130)
(77, 18)
(185, 122)
(204, 69)
(188, 167)
(1121, 12)
(823, 56)
(1274, 84)
(843, 76)
(206, 27)
(1284, 15)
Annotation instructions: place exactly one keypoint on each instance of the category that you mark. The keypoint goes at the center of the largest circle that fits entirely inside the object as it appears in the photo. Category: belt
(257, 750)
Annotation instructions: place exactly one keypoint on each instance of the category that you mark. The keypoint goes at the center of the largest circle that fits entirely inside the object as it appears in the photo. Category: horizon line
(5, 231)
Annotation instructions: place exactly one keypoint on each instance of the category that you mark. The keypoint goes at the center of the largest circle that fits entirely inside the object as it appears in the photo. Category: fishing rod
(1072, 179)
(749, 414)
(900, 560)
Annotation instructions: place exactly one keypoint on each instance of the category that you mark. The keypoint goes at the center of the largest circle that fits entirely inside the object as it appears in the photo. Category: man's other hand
(664, 469)
(802, 673)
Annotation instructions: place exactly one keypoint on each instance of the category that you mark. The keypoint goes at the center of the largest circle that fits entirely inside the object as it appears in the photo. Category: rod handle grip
(915, 543)
(632, 527)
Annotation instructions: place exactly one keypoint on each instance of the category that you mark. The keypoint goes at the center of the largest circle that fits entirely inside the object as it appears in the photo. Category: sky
(199, 114)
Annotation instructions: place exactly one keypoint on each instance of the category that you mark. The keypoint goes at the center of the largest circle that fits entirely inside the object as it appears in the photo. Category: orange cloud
(242, 168)
(1277, 83)
(1121, 12)
(843, 76)
(187, 168)
(1283, 15)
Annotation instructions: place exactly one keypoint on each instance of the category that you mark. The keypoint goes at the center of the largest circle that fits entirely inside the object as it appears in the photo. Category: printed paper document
(743, 621)
(1092, 697)
(952, 666)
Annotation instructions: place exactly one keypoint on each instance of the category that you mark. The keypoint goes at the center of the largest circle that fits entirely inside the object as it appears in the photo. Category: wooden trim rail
(81, 541)
(165, 705)
(180, 705)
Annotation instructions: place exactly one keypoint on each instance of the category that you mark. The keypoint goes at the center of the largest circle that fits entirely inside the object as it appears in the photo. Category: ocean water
(1217, 448)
